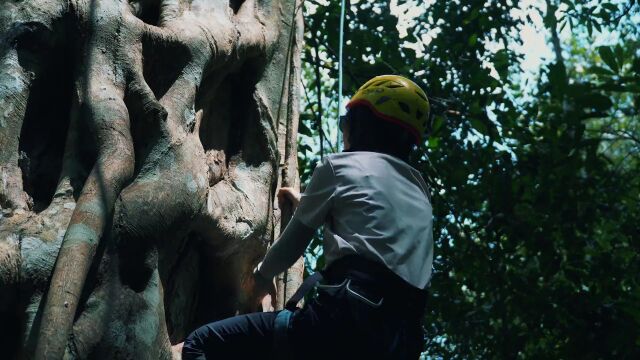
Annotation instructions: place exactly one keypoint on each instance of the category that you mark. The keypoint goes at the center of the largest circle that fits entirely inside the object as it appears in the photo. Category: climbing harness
(354, 273)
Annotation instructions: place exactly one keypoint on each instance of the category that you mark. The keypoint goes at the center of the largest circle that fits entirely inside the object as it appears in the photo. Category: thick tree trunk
(141, 144)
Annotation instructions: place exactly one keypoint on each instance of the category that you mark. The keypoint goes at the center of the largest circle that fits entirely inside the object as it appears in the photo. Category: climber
(378, 246)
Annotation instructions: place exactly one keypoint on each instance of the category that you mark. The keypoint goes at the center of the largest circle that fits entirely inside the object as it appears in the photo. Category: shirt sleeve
(311, 212)
(286, 250)
(317, 199)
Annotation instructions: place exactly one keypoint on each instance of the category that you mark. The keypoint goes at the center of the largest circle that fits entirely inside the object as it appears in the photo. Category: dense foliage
(535, 182)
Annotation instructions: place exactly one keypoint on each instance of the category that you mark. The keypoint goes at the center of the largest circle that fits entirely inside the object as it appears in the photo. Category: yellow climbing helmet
(397, 99)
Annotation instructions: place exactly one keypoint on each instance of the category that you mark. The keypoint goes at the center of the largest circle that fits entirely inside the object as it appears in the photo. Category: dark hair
(367, 132)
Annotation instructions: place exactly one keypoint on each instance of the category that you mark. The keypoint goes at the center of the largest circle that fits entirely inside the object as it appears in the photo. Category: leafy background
(534, 172)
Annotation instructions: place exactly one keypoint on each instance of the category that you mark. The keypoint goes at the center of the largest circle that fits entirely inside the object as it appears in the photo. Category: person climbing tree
(378, 246)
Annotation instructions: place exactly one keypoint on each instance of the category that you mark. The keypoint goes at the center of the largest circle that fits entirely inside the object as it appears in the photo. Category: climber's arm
(289, 247)
(315, 204)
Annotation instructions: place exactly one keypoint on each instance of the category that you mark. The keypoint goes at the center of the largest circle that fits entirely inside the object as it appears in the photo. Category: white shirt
(373, 205)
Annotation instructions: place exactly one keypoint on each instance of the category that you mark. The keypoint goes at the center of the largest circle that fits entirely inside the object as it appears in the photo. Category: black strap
(377, 275)
(308, 284)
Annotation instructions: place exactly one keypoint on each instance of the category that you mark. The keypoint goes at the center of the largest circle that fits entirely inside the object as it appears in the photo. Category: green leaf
(557, 75)
(305, 148)
(634, 88)
(473, 40)
(307, 116)
(480, 126)
(577, 90)
(501, 63)
(611, 86)
(475, 108)
(595, 101)
(474, 14)
(563, 24)
(608, 57)
(599, 70)
(597, 26)
(438, 121)
(619, 51)
(303, 128)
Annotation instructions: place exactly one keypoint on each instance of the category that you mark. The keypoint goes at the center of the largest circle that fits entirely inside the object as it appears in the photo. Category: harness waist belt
(375, 275)
(370, 274)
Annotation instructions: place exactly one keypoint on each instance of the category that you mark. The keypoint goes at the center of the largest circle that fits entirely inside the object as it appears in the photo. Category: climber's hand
(289, 194)
(260, 293)
(264, 287)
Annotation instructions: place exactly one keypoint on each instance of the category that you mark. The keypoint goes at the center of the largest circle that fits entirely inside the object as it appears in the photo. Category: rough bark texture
(141, 144)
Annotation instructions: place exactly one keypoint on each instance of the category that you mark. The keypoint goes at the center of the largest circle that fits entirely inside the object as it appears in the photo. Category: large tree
(141, 143)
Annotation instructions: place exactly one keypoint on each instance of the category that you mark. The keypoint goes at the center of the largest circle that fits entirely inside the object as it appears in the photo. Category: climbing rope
(286, 212)
(340, 46)
(288, 59)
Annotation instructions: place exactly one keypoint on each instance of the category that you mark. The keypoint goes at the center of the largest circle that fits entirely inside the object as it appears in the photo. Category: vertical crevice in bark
(162, 63)
(11, 314)
(46, 120)
(182, 282)
(147, 10)
(256, 149)
(223, 119)
(235, 5)
(230, 119)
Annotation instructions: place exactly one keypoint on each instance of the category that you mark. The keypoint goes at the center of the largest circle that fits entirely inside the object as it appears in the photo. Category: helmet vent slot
(404, 107)
(380, 83)
(421, 96)
(383, 100)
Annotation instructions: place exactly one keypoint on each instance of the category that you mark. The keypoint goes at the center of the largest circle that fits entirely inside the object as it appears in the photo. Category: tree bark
(141, 144)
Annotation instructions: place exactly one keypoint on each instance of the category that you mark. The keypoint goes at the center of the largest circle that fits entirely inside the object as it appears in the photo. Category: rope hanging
(340, 46)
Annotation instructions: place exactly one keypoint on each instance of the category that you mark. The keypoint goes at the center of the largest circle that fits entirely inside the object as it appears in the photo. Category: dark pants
(343, 321)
